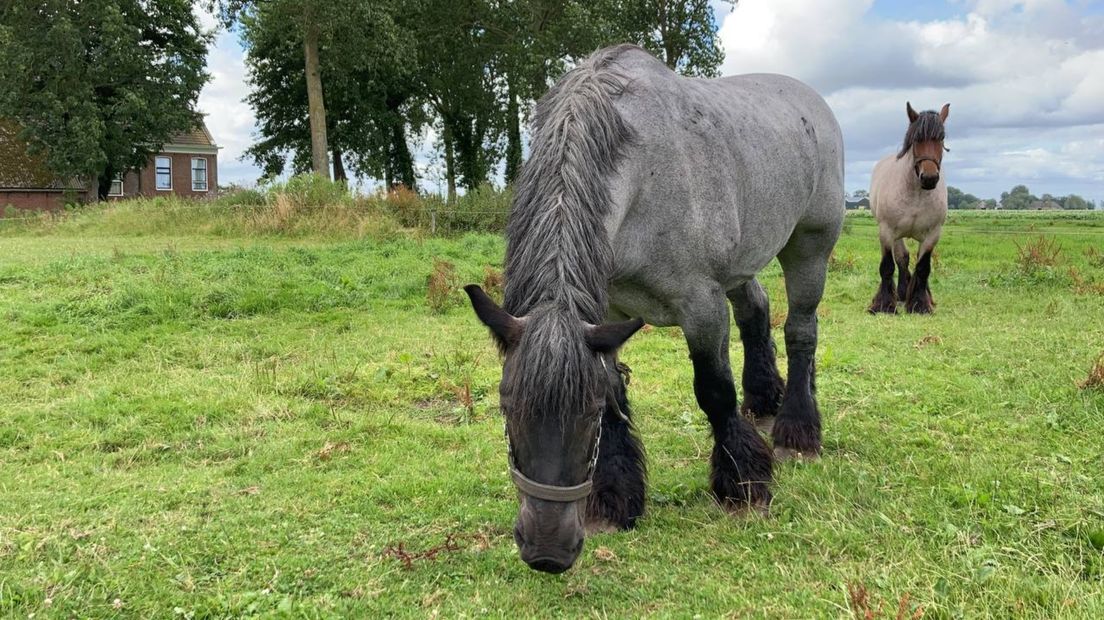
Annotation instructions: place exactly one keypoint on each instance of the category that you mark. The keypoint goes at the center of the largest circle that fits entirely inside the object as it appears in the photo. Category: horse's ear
(608, 337)
(911, 113)
(505, 327)
(945, 112)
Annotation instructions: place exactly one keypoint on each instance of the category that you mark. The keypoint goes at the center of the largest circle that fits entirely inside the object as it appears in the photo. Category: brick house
(26, 183)
(187, 165)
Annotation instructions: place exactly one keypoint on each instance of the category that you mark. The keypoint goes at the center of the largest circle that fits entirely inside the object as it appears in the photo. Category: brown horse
(908, 197)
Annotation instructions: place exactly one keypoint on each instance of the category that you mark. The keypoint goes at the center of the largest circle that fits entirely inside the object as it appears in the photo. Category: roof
(199, 136)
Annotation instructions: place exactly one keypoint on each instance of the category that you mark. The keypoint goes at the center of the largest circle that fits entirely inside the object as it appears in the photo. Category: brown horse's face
(927, 158)
(927, 153)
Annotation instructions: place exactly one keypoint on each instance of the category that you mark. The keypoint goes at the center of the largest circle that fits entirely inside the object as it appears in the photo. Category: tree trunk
(339, 167)
(401, 170)
(513, 136)
(315, 104)
(450, 160)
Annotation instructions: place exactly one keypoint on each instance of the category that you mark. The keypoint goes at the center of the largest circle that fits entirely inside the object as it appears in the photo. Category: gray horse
(652, 195)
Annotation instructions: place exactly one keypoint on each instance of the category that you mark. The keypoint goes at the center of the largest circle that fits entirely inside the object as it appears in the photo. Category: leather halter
(552, 492)
(916, 161)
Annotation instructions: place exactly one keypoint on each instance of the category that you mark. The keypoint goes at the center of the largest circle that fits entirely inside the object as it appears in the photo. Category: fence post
(433, 221)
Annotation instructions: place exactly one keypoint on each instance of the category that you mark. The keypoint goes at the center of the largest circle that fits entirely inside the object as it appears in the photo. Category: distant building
(26, 183)
(187, 165)
(863, 203)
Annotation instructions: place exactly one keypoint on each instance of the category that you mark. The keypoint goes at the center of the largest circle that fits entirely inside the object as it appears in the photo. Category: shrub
(442, 285)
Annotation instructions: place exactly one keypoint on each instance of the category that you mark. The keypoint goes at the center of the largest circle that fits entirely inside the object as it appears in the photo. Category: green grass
(201, 421)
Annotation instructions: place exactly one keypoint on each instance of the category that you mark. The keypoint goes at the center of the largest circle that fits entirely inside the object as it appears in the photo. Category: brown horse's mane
(927, 127)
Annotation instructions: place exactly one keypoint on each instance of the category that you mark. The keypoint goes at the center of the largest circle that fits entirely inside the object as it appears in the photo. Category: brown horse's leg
(919, 298)
(885, 300)
(901, 256)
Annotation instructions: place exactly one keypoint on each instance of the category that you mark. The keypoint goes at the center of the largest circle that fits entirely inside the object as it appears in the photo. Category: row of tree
(98, 85)
(1019, 197)
(378, 72)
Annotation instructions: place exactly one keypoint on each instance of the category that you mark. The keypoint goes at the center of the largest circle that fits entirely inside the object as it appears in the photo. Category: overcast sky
(1025, 80)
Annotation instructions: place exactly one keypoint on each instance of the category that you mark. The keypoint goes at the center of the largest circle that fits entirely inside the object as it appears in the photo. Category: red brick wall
(144, 181)
(36, 201)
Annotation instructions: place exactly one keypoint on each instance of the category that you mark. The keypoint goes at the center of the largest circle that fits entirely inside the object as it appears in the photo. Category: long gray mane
(557, 248)
(558, 254)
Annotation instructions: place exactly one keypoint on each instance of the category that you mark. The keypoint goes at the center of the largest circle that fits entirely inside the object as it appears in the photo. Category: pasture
(204, 421)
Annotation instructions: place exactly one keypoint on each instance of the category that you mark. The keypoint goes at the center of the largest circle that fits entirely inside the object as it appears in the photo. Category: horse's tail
(557, 243)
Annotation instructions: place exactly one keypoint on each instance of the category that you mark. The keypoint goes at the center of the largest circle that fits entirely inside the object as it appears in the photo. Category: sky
(1025, 80)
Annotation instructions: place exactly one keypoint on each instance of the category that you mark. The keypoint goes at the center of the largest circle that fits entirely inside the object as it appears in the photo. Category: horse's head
(924, 139)
(557, 378)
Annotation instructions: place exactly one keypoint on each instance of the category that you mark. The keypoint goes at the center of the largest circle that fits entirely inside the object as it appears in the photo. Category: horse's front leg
(919, 300)
(617, 499)
(741, 460)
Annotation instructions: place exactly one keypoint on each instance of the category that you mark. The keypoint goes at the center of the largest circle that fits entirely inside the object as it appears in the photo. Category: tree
(99, 85)
(1019, 197)
(682, 33)
(1073, 201)
(369, 95)
(957, 199)
(309, 20)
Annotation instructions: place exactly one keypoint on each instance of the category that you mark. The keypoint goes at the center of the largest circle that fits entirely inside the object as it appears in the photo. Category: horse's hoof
(882, 308)
(764, 424)
(782, 455)
(743, 510)
(600, 526)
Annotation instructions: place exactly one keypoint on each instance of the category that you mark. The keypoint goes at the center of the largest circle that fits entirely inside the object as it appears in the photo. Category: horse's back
(721, 172)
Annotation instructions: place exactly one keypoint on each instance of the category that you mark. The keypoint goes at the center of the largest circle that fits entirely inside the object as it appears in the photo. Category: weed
(442, 285)
(493, 283)
(1038, 254)
(846, 264)
(1095, 380)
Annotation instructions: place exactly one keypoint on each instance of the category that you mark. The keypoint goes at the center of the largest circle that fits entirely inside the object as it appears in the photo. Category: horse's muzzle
(929, 182)
(549, 535)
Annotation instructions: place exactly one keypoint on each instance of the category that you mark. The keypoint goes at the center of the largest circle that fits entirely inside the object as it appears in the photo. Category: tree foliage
(470, 68)
(98, 85)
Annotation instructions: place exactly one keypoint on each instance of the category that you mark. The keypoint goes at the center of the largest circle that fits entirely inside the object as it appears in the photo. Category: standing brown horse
(908, 197)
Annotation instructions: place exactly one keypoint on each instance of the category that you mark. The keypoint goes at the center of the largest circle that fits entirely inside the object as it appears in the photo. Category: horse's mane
(927, 126)
(557, 248)
(558, 255)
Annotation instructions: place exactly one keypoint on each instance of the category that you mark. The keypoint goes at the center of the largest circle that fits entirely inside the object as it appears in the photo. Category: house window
(199, 174)
(164, 172)
(116, 186)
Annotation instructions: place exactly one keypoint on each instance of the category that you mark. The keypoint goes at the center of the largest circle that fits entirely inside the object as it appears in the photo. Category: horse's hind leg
(763, 386)
(901, 256)
(804, 262)
(617, 499)
(885, 300)
(741, 461)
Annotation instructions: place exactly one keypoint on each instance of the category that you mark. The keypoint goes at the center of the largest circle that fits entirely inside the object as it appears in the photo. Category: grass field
(197, 421)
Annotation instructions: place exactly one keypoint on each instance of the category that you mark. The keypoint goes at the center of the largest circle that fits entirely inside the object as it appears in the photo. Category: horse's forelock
(554, 367)
(928, 126)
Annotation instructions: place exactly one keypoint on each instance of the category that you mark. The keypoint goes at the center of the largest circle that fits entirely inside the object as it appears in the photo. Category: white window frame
(206, 175)
(111, 190)
(156, 180)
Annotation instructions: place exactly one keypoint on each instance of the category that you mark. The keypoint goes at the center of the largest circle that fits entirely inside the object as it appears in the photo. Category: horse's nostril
(548, 565)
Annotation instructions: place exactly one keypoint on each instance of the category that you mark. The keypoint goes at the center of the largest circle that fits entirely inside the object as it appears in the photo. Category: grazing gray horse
(908, 197)
(652, 195)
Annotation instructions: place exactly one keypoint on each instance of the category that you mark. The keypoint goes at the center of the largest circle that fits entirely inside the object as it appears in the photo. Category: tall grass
(305, 205)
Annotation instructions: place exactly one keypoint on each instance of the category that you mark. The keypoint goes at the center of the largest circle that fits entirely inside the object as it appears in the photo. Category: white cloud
(1025, 80)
